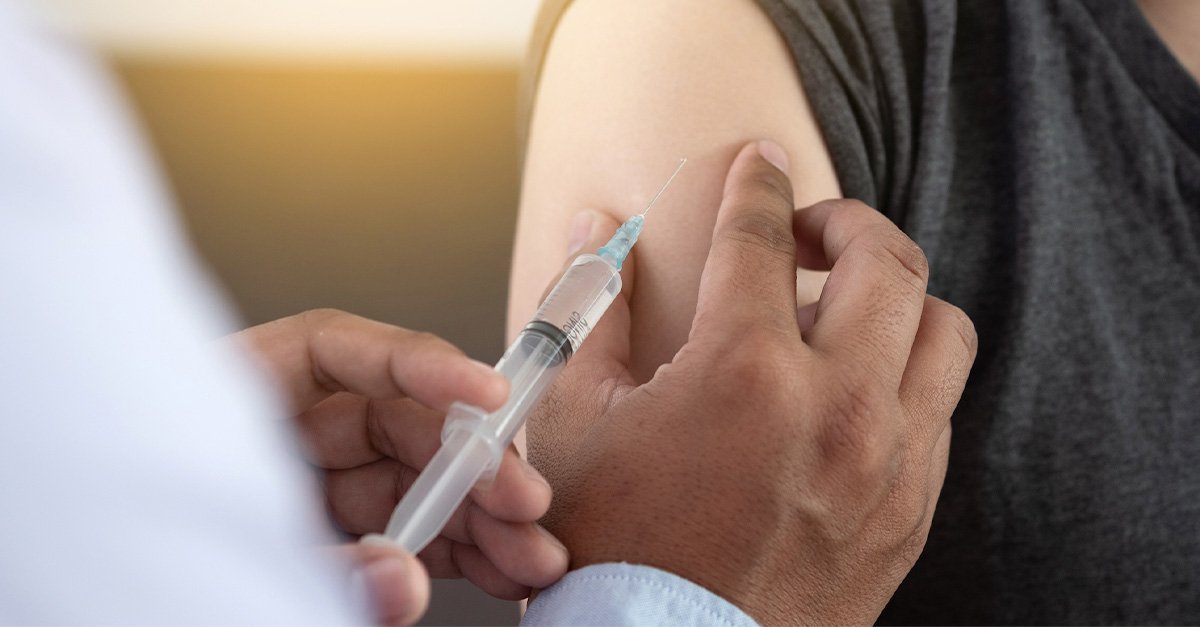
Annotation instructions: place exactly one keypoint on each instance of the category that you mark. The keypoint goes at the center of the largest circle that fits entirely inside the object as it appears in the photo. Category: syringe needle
(664, 187)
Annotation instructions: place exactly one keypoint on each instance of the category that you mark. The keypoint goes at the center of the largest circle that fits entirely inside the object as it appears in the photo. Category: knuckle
(957, 341)
(962, 325)
(425, 337)
(842, 208)
(422, 340)
(853, 433)
(759, 229)
(321, 315)
(902, 251)
(847, 215)
(755, 366)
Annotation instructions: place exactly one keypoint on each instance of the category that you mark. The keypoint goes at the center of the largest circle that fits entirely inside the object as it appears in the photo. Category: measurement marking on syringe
(573, 328)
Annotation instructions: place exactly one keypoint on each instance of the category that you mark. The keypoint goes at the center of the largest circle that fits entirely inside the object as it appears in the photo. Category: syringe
(473, 441)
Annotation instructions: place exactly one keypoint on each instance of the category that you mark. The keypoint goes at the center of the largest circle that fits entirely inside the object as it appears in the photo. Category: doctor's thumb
(392, 582)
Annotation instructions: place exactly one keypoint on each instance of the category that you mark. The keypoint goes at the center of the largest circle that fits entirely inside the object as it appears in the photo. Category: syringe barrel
(542, 349)
(576, 303)
(473, 441)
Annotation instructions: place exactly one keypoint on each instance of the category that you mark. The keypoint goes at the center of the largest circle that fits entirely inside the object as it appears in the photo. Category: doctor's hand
(369, 400)
(787, 461)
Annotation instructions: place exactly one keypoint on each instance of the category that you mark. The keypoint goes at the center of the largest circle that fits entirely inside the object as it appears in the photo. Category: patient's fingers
(361, 500)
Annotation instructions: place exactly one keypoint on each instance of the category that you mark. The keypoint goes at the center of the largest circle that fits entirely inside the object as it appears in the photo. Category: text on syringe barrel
(542, 349)
(566, 317)
(578, 301)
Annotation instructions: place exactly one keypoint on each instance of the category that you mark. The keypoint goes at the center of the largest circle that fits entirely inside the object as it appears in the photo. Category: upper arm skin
(628, 87)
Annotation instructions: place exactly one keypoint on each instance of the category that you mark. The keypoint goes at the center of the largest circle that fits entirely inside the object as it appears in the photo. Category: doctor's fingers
(361, 500)
(396, 581)
(503, 558)
(317, 353)
(520, 550)
(346, 432)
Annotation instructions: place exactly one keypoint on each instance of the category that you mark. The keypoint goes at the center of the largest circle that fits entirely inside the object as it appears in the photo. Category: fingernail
(774, 153)
(549, 536)
(581, 227)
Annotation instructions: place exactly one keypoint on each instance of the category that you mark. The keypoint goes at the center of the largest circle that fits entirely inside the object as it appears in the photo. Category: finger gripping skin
(759, 228)
(842, 217)
(762, 178)
(847, 223)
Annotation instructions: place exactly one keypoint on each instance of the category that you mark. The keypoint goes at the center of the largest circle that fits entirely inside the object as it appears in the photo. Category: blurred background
(358, 154)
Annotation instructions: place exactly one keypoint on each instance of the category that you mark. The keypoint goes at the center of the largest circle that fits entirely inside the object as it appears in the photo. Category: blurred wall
(385, 189)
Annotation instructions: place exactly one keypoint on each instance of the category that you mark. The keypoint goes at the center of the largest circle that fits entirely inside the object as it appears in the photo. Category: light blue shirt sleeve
(628, 594)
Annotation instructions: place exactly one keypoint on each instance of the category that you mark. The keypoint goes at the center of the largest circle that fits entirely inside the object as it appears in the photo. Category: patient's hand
(369, 401)
(789, 462)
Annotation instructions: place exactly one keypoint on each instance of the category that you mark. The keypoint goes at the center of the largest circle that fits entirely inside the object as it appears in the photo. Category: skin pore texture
(1178, 24)
(628, 88)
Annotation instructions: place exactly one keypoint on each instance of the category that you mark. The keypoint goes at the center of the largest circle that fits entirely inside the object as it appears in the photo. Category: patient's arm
(628, 87)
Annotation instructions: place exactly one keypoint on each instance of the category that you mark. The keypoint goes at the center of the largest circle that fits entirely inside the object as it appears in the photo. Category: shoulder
(620, 75)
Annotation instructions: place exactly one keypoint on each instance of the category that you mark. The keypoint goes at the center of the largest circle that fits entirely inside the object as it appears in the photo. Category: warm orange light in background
(440, 30)
(357, 154)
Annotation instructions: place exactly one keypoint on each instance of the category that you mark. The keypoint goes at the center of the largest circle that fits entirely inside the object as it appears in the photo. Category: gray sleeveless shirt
(1046, 156)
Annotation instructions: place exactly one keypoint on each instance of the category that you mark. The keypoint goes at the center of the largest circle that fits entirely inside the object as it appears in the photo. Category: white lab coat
(146, 475)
